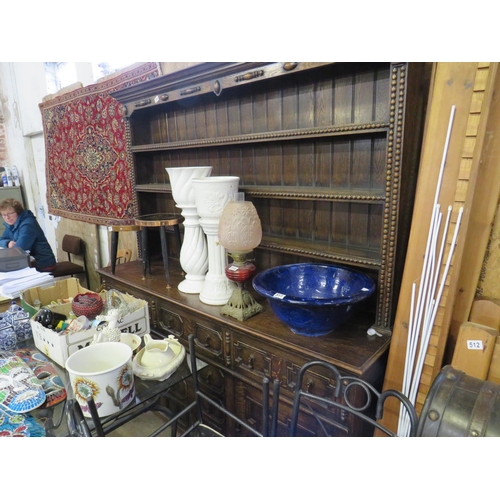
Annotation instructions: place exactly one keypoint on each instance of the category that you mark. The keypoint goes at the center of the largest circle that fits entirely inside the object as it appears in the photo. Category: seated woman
(23, 231)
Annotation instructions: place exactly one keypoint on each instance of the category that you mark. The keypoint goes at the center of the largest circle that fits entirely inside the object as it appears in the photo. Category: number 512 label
(475, 344)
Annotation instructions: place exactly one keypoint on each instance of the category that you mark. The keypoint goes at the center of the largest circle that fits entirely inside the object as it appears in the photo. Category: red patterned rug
(88, 163)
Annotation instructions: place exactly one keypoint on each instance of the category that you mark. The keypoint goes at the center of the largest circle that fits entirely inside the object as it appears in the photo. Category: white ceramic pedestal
(211, 195)
(194, 251)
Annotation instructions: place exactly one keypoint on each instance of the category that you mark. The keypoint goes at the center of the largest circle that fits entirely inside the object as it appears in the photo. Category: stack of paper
(12, 283)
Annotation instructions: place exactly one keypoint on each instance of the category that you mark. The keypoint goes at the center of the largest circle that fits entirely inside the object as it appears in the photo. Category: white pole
(423, 296)
(427, 334)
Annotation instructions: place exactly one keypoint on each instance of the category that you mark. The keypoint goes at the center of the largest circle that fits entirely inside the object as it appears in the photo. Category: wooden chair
(72, 245)
(349, 395)
(123, 255)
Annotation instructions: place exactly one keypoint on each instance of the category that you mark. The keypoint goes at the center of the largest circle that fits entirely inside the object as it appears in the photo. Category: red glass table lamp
(240, 232)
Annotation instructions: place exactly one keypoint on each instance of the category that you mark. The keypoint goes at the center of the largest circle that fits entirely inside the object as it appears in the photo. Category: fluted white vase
(211, 196)
(194, 250)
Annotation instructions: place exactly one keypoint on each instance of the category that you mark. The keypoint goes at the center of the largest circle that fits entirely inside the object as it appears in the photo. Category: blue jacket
(29, 236)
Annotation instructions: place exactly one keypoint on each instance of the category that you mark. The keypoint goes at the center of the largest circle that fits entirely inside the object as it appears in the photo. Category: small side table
(161, 221)
(115, 233)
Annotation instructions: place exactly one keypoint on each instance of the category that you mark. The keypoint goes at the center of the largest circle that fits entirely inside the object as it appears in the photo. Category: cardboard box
(61, 289)
(59, 347)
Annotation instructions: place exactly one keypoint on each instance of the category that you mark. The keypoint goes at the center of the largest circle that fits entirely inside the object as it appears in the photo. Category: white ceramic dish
(163, 371)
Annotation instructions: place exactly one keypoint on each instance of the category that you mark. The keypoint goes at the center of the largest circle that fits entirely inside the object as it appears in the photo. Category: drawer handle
(310, 385)
(207, 378)
(251, 359)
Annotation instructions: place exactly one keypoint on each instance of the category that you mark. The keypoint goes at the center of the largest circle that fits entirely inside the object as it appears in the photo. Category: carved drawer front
(335, 420)
(212, 383)
(248, 407)
(321, 385)
(208, 339)
(314, 382)
(251, 360)
(212, 380)
(169, 321)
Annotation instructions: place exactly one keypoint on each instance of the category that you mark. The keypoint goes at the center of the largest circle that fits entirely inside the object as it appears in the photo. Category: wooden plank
(451, 85)
(480, 153)
(474, 349)
(482, 208)
(486, 312)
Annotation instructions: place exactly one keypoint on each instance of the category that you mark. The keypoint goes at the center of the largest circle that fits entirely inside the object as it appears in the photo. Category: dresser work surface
(241, 353)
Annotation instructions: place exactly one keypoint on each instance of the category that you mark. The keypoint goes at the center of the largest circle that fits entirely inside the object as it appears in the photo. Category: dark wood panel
(355, 163)
(344, 94)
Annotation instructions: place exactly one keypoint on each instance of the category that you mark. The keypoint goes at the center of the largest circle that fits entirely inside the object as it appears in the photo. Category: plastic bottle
(8, 171)
(5, 181)
(15, 176)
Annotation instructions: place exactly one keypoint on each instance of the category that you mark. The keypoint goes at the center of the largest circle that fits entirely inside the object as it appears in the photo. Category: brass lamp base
(241, 305)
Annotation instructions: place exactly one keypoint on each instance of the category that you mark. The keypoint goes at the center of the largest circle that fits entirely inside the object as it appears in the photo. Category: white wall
(22, 88)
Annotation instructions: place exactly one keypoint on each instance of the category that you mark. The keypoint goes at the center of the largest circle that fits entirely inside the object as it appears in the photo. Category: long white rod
(432, 225)
(424, 280)
(438, 265)
(445, 154)
(427, 333)
(414, 329)
(448, 263)
(407, 368)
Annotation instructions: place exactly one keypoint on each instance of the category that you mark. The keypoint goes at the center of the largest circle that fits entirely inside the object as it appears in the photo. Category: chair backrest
(123, 255)
(72, 245)
(349, 395)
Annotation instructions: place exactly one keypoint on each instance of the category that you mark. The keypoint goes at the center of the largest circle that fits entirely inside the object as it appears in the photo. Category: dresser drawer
(251, 359)
(169, 321)
(212, 381)
(209, 339)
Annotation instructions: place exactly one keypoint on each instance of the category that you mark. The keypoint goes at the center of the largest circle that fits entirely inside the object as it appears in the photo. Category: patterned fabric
(88, 162)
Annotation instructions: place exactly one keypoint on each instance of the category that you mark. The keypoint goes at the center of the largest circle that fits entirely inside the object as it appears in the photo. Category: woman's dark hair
(12, 203)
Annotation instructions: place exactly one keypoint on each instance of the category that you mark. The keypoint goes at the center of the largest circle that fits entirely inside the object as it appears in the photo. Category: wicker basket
(87, 304)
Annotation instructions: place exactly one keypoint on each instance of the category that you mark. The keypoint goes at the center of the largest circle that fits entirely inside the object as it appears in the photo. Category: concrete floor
(142, 426)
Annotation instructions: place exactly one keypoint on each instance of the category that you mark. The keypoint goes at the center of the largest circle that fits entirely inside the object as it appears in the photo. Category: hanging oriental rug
(88, 160)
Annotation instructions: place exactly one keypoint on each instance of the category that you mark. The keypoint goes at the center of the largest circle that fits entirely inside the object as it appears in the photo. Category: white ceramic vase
(103, 371)
(211, 195)
(194, 252)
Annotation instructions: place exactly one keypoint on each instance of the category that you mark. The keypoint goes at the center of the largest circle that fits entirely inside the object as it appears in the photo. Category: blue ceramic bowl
(313, 299)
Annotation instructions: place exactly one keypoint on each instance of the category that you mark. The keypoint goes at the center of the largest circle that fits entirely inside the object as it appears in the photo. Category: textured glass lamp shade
(240, 232)
(239, 227)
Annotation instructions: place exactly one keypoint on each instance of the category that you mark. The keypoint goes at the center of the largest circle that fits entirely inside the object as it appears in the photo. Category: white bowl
(164, 371)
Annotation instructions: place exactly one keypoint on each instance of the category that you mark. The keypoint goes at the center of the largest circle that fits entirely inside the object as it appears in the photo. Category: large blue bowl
(313, 299)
